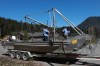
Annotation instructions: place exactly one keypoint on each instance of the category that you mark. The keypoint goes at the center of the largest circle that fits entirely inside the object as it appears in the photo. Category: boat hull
(37, 47)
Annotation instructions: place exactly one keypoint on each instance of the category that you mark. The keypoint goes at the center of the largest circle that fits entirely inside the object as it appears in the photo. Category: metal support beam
(70, 23)
(35, 21)
(53, 24)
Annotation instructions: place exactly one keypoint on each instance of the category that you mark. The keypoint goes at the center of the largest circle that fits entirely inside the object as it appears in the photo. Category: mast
(54, 24)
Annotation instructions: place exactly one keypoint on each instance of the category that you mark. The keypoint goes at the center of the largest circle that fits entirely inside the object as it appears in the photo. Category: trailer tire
(72, 61)
(8, 53)
(12, 54)
(25, 56)
(18, 55)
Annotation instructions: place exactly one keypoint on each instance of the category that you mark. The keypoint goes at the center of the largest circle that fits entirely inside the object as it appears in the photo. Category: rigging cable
(69, 22)
(50, 18)
(39, 13)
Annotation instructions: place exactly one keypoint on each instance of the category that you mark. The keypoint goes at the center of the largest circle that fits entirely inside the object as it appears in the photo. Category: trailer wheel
(12, 54)
(8, 52)
(25, 56)
(72, 61)
(18, 55)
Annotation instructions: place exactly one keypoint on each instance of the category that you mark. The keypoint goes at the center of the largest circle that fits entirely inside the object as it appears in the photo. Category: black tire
(72, 61)
(18, 55)
(8, 53)
(84, 63)
(12, 54)
(25, 56)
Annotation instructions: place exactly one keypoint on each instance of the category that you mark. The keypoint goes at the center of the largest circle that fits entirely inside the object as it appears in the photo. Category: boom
(35, 21)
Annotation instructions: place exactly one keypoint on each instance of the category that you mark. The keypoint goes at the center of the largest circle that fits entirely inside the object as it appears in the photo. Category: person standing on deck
(45, 34)
(65, 33)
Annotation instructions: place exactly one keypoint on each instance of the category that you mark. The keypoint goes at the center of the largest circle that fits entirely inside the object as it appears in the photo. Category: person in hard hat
(65, 32)
(45, 34)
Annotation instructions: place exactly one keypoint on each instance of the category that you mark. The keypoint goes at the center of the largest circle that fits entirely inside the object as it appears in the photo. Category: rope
(33, 25)
(39, 13)
(61, 44)
(50, 18)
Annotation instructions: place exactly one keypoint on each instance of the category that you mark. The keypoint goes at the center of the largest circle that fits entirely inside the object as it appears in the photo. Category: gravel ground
(5, 61)
(2, 49)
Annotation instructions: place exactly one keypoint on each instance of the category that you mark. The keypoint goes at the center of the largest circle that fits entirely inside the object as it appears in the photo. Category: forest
(11, 27)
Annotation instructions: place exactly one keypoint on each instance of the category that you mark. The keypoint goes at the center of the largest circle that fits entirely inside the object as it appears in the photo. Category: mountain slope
(89, 22)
